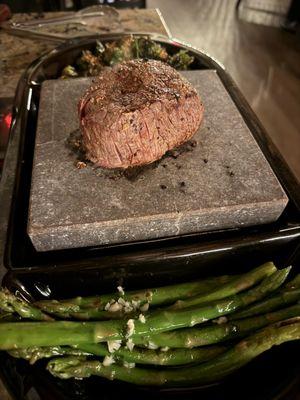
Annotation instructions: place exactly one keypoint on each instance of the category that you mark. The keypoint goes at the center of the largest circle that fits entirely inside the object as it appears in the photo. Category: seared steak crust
(135, 112)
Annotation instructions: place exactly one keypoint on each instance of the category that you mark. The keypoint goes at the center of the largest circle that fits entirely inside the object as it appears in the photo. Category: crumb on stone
(80, 165)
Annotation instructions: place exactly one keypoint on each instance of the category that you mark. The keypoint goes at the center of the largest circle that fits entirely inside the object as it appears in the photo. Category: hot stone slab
(219, 180)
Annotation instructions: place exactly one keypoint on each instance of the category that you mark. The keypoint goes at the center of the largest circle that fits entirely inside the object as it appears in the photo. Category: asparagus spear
(288, 294)
(9, 317)
(33, 354)
(215, 333)
(90, 314)
(210, 371)
(294, 283)
(10, 303)
(155, 296)
(156, 357)
(272, 303)
(168, 294)
(136, 355)
(72, 310)
(99, 315)
(15, 335)
(237, 285)
(28, 334)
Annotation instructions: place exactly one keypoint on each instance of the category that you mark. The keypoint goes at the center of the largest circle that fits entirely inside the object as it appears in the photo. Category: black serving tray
(15, 245)
(273, 375)
(93, 270)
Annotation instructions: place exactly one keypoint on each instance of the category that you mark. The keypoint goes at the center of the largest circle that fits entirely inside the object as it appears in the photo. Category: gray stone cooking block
(220, 181)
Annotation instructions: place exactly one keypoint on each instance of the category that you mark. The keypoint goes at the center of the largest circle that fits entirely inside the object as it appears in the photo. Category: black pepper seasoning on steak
(135, 112)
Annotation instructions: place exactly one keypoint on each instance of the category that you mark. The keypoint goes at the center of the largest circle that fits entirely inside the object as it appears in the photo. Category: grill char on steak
(135, 112)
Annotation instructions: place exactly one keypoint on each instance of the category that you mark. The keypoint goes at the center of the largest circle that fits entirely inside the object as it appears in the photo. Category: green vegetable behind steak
(91, 62)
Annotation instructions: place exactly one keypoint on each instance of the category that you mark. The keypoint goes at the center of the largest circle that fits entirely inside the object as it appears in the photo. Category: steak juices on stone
(135, 112)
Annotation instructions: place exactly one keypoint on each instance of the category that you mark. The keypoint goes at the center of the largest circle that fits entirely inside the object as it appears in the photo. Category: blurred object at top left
(5, 12)
(19, 6)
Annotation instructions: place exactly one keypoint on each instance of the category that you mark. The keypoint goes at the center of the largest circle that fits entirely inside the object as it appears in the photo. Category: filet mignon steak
(135, 112)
